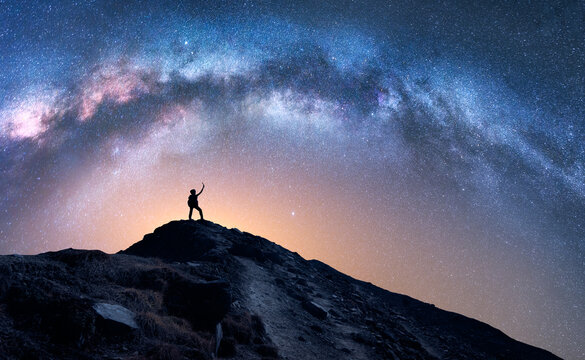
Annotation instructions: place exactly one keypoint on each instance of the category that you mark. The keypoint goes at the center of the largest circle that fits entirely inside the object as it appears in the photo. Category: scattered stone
(315, 310)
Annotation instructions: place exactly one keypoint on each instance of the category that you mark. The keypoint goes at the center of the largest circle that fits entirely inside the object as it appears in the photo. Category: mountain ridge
(195, 289)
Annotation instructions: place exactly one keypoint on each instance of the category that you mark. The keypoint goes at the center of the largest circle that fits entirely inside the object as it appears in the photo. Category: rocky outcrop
(176, 241)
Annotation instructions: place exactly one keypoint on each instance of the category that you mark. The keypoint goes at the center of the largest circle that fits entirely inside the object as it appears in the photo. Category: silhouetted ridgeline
(194, 290)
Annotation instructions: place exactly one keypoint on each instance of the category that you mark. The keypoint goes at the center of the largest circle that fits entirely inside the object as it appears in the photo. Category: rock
(410, 343)
(315, 310)
(51, 309)
(215, 255)
(334, 313)
(74, 257)
(295, 294)
(203, 303)
(255, 248)
(117, 314)
(247, 251)
(362, 338)
(273, 257)
(155, 279)
(227, 348)
(218, 337)
(176, 241)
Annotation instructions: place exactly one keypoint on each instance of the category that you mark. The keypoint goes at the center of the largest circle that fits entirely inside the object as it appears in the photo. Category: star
(439, 147)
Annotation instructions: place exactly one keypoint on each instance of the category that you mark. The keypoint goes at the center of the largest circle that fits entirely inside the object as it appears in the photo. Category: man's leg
(200, 212)
(190, 212)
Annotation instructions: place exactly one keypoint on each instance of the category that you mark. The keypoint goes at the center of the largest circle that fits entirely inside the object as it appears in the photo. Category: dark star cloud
(435, 149)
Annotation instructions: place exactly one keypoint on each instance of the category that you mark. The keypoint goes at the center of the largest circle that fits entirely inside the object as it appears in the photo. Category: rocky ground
(196, 290)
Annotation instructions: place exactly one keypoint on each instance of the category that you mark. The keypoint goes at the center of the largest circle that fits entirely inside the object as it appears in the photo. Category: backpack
(192, 202)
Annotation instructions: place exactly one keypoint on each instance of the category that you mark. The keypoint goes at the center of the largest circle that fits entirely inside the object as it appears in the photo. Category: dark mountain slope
(187, 285)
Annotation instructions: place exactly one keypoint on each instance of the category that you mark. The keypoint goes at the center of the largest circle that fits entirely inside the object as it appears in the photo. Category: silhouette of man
(193, 203)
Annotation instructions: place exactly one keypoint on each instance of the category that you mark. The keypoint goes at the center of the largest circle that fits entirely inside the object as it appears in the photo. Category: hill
(197, 290)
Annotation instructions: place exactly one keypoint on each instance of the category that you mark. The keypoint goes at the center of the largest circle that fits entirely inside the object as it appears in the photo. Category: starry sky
(434, 148)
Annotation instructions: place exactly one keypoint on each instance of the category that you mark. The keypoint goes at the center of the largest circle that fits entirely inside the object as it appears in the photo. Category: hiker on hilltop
(193, 203)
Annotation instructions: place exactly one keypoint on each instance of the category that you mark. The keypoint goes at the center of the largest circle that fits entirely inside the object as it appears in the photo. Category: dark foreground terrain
(196, 290)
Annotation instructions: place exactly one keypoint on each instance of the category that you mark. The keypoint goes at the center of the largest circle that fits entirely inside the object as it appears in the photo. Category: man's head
(192, 191)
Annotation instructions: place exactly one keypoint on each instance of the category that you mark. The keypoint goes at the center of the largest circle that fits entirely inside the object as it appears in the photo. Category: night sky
(436, 149)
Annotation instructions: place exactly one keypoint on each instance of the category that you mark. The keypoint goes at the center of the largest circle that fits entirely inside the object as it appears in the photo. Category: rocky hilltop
(196, 290)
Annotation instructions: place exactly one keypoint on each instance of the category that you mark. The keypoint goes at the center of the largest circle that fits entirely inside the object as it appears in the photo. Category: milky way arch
(436, 151)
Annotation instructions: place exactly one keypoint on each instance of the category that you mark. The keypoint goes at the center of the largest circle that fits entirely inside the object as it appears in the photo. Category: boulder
(203, 303)
(115, 319)
(53, 310)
